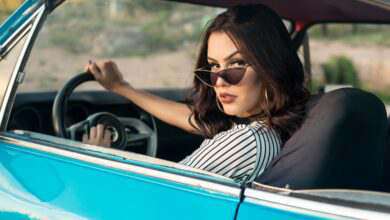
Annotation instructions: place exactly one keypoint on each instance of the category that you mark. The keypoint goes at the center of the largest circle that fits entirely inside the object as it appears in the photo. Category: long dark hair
(265, 44)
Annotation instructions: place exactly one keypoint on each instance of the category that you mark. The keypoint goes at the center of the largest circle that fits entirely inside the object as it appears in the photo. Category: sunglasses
(231, 75)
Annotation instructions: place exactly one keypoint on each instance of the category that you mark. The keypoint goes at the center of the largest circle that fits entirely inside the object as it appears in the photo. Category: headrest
(339, 145)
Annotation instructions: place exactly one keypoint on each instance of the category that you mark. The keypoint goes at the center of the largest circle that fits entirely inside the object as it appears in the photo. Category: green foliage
(340, 70)
(148, 5)
(73, 29)
(384, 95)
(353, 34)
(136, 28)
(314, 86)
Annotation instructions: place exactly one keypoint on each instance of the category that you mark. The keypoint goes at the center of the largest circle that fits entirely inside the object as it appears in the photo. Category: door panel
(284, 204)
(49, 185)
(250, 210)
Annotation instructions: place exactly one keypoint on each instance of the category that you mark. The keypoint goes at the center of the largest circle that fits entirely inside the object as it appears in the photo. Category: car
(323, 172)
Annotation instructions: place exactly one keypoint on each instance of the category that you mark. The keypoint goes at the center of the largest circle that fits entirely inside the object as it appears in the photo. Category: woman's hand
(98, 136)
(107, 74)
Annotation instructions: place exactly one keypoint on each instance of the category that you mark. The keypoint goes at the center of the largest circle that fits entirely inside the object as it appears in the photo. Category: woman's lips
(227, 98)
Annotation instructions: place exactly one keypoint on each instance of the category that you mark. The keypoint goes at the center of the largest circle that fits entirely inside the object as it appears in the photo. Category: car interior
(33, 112)
(339, 145)
(328, 151)
(343, 142)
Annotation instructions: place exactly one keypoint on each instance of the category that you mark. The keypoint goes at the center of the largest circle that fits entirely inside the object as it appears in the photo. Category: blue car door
(42, 178)
(267, 202)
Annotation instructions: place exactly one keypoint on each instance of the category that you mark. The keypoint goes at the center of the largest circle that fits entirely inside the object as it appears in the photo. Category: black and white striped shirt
(241, 153)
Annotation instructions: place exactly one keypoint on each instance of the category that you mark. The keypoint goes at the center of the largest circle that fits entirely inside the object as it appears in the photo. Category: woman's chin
(230, 110)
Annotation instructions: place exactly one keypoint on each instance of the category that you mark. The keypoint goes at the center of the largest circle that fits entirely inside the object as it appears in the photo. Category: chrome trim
(20, 78)
(381, 198)
(80, 147)
(306, 206)
(198, 183)
(12, 44)
(268, 188)
(5, 102)
(285, 208)
(21, 31)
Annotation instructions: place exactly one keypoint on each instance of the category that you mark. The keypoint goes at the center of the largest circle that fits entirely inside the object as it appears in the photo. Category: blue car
(336, 166)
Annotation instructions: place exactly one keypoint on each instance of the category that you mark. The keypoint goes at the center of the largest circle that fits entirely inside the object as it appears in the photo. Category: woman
(248, 95)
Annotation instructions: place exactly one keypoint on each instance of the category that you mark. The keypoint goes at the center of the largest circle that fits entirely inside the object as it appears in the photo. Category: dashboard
(33, 112)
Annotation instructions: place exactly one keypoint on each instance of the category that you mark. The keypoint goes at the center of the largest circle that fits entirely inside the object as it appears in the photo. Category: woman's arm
(171, 112)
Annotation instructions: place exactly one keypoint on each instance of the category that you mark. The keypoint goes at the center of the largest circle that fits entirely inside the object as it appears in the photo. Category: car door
(49, 177)
(45, 177)
(267, 202)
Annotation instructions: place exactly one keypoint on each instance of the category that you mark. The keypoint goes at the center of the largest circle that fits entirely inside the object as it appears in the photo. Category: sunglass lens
(233, 76)
(204, 76)
(213, 78)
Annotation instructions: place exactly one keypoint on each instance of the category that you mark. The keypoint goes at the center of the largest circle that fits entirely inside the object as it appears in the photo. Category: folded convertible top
(309, 11)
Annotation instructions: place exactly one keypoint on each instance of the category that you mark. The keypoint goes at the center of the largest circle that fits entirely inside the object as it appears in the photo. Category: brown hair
(265, 44)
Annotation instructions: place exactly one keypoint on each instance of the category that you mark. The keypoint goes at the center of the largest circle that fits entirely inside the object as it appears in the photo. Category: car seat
(340, 144)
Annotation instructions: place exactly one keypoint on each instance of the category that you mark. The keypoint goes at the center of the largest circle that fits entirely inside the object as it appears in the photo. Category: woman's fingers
(107, 134)
(99, 131)
(85, 138)
(98, 136)
(92, 133)
(99, 71)
(94, 69)
(86, 68)
(106, 73)
(107, 138)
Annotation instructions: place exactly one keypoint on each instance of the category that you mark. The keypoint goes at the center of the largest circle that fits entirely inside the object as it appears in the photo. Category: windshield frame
(17, 25)
(8, 89)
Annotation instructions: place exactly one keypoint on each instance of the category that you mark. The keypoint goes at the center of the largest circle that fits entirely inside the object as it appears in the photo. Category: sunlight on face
(242, 99)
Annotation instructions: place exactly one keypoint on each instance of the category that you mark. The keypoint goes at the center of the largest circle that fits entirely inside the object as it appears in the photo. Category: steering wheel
(125, 130)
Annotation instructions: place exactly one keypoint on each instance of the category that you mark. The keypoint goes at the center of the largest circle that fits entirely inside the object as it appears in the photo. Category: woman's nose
(220, 82)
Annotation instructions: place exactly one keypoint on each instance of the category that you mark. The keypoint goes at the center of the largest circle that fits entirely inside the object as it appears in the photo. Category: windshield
(155, 39)
(7, 65)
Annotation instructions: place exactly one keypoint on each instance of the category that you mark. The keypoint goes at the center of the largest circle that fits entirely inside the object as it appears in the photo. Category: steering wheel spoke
(137, 130)
(74, 129)
(137, 137)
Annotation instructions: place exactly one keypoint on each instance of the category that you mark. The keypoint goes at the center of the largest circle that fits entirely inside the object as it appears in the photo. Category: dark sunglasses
(231, 75)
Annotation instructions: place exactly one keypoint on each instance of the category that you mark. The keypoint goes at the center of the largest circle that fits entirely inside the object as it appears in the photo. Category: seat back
(386, 180)
(339, 145)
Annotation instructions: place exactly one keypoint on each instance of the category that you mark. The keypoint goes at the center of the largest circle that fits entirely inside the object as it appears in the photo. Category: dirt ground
(50, 68)
(53, 67)
(372, 62)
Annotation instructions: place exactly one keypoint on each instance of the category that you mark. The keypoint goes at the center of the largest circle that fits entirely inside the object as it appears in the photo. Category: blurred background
(155, 44)
(7, 6)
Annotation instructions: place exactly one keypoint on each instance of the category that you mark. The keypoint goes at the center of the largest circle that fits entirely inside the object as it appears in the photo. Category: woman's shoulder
(254, 128)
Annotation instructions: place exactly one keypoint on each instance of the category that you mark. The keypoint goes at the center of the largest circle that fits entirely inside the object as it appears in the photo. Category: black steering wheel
(124, 129)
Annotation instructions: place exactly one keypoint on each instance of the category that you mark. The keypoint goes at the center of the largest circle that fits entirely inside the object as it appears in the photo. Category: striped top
(241, 153)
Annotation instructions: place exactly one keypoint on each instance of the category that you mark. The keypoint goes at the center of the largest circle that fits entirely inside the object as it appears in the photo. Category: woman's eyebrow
(226, 58)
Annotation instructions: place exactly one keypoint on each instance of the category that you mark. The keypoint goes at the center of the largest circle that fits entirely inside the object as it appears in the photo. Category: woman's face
(242, 99)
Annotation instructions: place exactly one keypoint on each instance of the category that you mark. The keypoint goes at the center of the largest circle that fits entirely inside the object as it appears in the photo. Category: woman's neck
(249, 119)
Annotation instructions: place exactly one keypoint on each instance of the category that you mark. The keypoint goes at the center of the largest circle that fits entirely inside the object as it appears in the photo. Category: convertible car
(336, 166)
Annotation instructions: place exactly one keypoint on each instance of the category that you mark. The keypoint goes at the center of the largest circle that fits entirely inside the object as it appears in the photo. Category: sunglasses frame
(219, 74)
